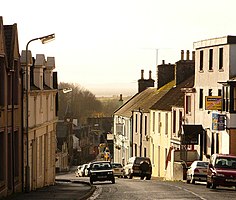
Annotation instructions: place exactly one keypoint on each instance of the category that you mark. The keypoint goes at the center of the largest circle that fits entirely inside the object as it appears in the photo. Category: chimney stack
(143, 84)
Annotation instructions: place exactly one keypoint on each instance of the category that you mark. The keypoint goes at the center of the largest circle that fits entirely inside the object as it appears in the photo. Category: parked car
(78, 171)
(221, 171)
(197, 171)
(87, 170)
(83, 168)
(101, 171)
(118, 169)
(138, 166)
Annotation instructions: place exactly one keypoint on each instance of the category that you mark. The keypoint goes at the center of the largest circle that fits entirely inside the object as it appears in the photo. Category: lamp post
(44, 40)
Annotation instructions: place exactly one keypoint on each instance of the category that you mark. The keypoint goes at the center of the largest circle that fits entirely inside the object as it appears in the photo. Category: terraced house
(11, 139)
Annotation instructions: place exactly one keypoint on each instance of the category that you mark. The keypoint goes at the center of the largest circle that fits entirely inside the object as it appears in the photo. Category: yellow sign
(213, 103)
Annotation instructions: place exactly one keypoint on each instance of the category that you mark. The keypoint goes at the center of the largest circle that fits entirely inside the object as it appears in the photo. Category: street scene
(88, 112)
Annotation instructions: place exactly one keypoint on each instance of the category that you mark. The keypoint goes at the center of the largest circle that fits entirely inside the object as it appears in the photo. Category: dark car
(138, 166)
(101, 171)
(221, 171)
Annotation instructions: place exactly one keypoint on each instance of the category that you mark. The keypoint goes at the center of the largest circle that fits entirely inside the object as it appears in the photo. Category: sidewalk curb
(87, 195)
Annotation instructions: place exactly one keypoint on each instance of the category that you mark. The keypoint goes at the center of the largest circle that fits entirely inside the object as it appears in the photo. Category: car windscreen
(202, 164)
(101, 166)
(225, 162)
(116, 165)
(139, 160)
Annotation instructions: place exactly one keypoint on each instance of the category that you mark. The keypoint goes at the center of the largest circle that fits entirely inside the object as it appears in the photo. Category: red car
(221, 171)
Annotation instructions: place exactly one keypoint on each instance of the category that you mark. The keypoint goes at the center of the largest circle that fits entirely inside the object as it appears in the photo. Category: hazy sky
(104, 44)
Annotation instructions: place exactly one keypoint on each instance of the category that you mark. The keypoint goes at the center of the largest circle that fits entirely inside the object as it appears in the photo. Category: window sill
(201, 71)
(221, 70)
(210, 70)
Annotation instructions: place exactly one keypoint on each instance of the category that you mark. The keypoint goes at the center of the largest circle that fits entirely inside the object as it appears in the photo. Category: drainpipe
(12, 131)
(141, 136)
(22, 130)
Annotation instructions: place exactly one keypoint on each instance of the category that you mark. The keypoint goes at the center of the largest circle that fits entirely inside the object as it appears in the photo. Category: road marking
(189, 192)
(96, 193)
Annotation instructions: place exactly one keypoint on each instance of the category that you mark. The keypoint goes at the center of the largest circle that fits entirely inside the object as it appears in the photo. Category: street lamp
(44, 40)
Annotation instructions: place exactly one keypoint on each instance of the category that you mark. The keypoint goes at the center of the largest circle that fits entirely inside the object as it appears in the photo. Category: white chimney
(48, 72)
(38, 70)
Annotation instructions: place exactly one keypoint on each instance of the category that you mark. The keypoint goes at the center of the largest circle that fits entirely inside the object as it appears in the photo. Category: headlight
(109, 172)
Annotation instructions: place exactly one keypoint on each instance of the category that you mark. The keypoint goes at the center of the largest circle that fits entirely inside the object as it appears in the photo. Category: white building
(215, 63)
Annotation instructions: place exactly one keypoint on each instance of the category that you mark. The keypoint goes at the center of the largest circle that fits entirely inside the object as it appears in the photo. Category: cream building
(42, 120)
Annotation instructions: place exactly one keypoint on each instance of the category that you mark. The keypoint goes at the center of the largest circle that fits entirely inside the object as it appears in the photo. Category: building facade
(212, 97)
(40, 139)
(11, 175)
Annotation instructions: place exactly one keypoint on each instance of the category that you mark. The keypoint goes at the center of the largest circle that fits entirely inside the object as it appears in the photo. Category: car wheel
(213, 186)
(113, 181)
(130, 175)
(142, 177)
(148, 177)
(192, 180)
(208, 185)
(188, 181)
(91, 181)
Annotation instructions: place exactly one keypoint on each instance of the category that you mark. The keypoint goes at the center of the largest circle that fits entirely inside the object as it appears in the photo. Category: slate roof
(174, 97)
(143, 100)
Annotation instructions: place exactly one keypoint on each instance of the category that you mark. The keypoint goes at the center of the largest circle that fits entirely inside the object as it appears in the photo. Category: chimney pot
(187, 55)
(193, 55)
(182, 54)
(142, 71)
(163, 62)
(150, 74)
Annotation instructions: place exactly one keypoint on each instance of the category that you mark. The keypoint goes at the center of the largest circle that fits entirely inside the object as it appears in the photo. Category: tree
(78, 104)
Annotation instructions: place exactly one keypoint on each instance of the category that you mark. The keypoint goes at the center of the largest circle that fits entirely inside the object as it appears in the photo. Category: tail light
(196, 170)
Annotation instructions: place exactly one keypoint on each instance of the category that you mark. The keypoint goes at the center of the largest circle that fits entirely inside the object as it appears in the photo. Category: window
(153, 151)
(2, 81)
(145, 152)
(135, 150)
(201, 60)
(159, 122)
(136, 123)
(219, 92)
(210, 92)
(210, 59)
(234, 100)
(188, 104)
(220, 58)
(166, 127)
(174, 122)
(145, 124)
(226, 99)
(201, 99)
(2, 157)
(180, 119)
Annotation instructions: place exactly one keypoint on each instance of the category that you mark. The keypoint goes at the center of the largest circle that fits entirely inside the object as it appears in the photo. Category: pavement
(64, 189)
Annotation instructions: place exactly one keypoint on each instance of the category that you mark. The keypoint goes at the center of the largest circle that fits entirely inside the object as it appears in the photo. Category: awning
(190, 134)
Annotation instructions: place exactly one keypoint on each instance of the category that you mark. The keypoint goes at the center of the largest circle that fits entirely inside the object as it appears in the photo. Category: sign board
(218, 122)
(213, 102)
(191, 134)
